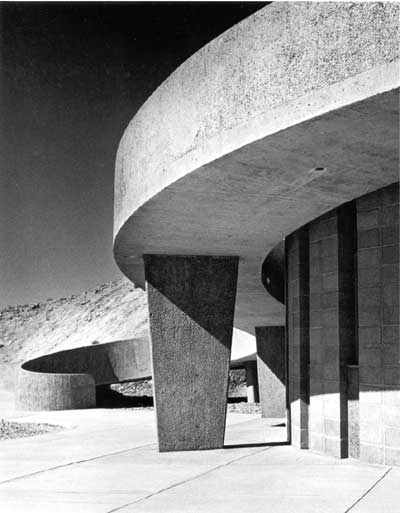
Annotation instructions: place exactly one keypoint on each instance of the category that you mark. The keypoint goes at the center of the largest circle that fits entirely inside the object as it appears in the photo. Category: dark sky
(72, 77)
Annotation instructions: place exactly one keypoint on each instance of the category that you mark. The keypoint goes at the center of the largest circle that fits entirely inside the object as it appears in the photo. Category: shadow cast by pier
(258, 444)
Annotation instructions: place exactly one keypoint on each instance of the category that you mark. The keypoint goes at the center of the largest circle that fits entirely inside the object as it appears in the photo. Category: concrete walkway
(107, 460)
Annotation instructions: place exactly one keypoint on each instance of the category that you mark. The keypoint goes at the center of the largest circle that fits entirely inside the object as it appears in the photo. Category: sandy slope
(112, 311)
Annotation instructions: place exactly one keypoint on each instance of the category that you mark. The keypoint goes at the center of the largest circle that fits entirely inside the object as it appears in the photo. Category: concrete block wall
(378, 325)
(343, 330)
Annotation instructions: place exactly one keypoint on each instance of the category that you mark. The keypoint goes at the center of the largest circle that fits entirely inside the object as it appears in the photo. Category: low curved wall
(68, 379)
(45, 391)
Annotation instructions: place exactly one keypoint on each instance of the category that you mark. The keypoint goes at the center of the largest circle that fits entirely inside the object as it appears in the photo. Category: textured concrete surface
(38, 391)
(268, 127)
(191, 304)
(68, 379)
(353, 405)
(271, 362)
(107, 461)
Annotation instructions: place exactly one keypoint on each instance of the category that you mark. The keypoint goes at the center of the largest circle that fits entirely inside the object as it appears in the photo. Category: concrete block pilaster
(297, 304)
(332, 328)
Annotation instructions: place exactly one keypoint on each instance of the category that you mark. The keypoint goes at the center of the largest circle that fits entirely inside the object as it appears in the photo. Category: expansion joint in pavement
(142, 499)
(56, 467)
(369, 490)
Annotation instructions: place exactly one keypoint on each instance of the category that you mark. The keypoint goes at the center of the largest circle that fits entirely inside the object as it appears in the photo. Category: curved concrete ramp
(68, 379)
(263, 130)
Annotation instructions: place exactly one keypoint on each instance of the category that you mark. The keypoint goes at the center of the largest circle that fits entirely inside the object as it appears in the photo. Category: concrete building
(284, 128)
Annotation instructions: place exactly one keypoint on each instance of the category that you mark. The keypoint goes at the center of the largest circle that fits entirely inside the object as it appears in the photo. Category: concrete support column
(297, 304)
(332, 328)
(252, 382)
(191, 303)
(271, 356)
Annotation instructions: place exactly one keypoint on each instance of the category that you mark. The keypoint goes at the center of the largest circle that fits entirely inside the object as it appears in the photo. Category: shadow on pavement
(260, 444)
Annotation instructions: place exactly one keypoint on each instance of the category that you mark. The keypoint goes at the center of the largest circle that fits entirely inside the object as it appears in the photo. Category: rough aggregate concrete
(191, 305)
(10, 430)
(277, 55)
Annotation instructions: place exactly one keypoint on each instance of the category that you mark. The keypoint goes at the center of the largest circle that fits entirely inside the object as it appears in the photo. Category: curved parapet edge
(68, 379)
(281, 66)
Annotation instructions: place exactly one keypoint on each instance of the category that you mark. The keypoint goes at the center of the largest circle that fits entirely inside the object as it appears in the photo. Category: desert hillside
(112, 311)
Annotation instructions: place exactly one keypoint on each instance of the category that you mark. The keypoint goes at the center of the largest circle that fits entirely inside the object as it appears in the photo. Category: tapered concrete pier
(191, 305)
(271, 370)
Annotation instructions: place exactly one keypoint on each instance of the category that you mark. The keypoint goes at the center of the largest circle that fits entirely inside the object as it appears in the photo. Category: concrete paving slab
(107, 460)
(242, 487)
(19, 505)
(266, 431)
(384, 497)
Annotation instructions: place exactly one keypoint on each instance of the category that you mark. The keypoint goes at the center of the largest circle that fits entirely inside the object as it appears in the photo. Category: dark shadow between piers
(108, 398)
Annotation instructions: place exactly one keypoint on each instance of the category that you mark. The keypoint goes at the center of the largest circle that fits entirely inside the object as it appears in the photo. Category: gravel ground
(128, 396)
(10, 430)
(244, 407)
(249, 408)
(144, 387)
